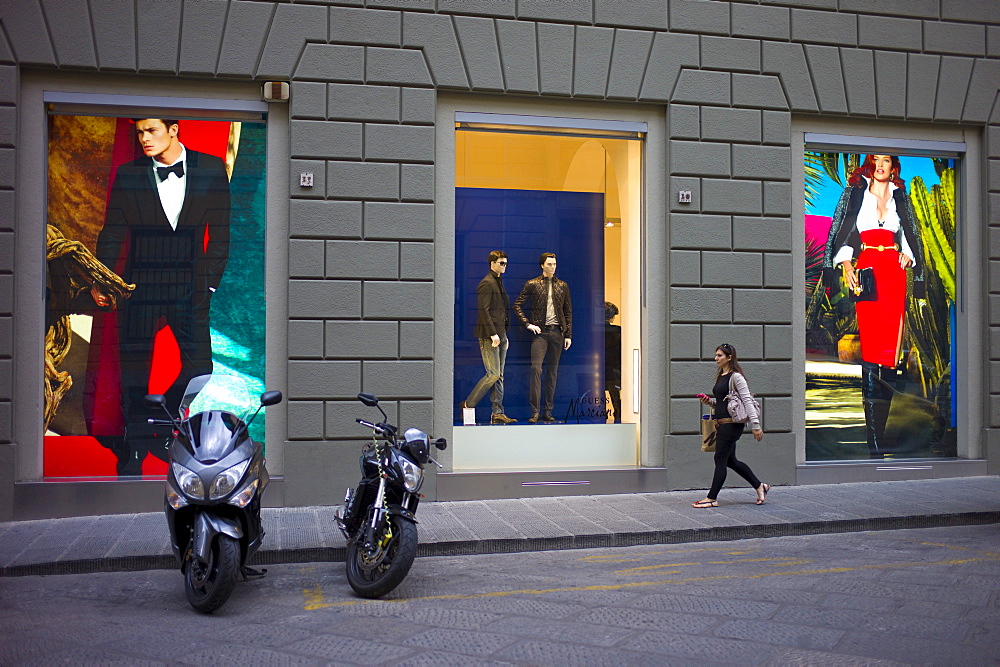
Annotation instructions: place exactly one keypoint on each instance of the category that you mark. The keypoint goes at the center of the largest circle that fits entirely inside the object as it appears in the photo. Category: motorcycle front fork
(378, 512)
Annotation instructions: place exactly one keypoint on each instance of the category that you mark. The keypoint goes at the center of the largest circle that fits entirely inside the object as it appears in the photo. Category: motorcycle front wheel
(374, 573)
(208, 585)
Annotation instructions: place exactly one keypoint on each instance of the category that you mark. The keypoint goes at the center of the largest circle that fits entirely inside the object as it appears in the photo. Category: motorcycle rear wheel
(374, 582)
(208, 585)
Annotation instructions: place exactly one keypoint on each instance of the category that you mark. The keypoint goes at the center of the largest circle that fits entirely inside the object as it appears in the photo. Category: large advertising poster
(155, 275)
(880, 306)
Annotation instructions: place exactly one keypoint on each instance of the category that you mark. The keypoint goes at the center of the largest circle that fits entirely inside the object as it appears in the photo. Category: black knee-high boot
(886, 389)
(870, 399)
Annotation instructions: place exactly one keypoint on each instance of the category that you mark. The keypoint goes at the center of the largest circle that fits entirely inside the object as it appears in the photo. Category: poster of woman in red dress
(880, 306)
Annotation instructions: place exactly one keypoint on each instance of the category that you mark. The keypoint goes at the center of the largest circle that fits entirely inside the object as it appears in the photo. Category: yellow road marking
(314, 602)
(746, 560)
(792, 561)
(645, 568)
(314, 598)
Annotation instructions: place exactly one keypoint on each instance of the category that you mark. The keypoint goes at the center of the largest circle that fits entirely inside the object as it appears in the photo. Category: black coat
(494, 307)
(138, 243)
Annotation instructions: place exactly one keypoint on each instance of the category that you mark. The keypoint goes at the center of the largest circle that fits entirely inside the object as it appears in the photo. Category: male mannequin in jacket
(492, 322)
(167, 231)
(544, 308)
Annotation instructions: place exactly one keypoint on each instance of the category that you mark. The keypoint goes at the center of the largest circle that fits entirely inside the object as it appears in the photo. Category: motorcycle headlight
(243, 498)
(226, 481)
(189, 482)
(413, 476)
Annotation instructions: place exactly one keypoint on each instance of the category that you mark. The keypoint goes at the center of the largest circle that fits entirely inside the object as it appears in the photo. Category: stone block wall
(364, 76)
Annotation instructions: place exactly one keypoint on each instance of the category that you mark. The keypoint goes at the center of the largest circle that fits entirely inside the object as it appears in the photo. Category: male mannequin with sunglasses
(491, 330)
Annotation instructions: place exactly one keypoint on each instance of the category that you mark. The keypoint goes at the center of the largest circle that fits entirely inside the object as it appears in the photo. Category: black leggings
(725, 457)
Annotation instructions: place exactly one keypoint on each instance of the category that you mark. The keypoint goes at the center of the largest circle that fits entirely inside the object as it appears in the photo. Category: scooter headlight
(226, 481)
(189, 482)
(413, 476)
(243, 498)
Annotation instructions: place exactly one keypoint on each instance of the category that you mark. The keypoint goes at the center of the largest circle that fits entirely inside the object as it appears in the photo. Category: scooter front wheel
(374, 572)
(208, 585)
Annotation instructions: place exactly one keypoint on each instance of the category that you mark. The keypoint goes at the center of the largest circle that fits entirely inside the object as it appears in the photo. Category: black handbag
(865, 291)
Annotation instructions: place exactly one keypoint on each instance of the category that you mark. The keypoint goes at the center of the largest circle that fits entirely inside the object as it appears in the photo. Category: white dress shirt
(868, 219)
(172, 189)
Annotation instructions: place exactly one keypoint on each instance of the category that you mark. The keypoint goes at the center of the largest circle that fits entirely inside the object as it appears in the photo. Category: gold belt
(724, 420)
(880, 248)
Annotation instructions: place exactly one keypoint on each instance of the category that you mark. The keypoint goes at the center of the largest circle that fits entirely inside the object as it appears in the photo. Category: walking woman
(730, 377)
(874, 220)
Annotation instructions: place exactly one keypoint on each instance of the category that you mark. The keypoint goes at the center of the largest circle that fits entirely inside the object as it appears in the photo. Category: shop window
(880, 370)
(151, 279)
(532, 191)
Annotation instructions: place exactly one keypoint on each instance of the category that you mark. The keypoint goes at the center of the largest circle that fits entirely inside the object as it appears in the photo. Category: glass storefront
(152, 278)
(880, 348)
(565, 202)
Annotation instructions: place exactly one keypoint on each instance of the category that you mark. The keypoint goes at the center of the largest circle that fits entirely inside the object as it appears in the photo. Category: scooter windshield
(213, 432)
(228, 393)
(215, 407)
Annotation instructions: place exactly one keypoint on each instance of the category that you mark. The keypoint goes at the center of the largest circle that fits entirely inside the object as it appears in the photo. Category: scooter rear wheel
(208, 585)
(394, 561)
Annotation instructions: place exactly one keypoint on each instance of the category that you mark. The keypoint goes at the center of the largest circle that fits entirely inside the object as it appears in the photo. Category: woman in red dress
(874, 221)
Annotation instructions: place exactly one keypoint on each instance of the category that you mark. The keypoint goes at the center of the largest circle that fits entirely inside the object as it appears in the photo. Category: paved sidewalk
(306, 534)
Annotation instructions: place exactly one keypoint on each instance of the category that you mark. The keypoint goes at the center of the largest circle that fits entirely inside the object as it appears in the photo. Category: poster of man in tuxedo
(158, 206)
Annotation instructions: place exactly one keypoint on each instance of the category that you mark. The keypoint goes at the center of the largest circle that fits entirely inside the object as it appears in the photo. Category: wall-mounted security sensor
(276, 91)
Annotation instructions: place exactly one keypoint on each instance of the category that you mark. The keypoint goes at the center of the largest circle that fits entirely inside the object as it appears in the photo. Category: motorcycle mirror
(371, 400)
(155, 400)
(441, 444)
(270, 398)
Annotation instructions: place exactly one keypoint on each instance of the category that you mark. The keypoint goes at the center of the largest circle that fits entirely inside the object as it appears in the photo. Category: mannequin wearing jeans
(491, 330)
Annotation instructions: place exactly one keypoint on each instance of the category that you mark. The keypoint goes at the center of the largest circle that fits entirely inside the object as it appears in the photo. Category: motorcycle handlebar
(159, 422)
(380, 429)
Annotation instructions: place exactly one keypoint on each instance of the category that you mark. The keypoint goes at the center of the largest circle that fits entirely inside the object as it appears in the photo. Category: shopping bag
(707, 433)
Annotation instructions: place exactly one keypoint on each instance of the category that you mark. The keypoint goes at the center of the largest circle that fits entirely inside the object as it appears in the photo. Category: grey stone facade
(364, 75)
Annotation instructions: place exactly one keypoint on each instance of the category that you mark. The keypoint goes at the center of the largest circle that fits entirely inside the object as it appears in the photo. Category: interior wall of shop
(361, 245)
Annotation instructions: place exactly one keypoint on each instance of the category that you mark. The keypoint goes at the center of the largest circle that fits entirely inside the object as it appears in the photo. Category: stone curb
(526, 544)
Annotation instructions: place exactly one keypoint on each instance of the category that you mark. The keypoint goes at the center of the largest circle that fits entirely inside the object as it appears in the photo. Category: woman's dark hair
(734, 364)
(867, 168)
(610, 310)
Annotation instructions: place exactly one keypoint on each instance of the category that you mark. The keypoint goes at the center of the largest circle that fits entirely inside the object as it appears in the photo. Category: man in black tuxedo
(167, 231)
(492, 322)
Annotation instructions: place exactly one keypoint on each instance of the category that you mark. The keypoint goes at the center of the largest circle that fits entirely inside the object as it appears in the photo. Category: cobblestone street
(887, 597)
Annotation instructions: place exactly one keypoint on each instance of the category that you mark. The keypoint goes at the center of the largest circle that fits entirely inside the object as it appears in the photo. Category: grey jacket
(739, 382)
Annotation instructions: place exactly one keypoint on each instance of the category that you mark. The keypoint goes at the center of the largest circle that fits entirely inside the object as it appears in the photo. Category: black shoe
(501, 418)
(547, 417)
(535, 418)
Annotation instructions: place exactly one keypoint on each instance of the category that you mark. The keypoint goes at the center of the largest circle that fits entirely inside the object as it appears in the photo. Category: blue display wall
(524, 224)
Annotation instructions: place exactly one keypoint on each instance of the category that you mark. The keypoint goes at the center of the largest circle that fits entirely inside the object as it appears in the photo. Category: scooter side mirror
(371, 400)
(270, 398)
(155, 401)
(441, 444)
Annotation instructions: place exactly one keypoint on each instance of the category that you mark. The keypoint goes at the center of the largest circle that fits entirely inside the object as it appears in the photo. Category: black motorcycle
(214, 485)
(378, 518)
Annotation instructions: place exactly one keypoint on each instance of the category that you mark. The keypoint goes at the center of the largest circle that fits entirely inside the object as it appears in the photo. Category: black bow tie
(164, 172)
